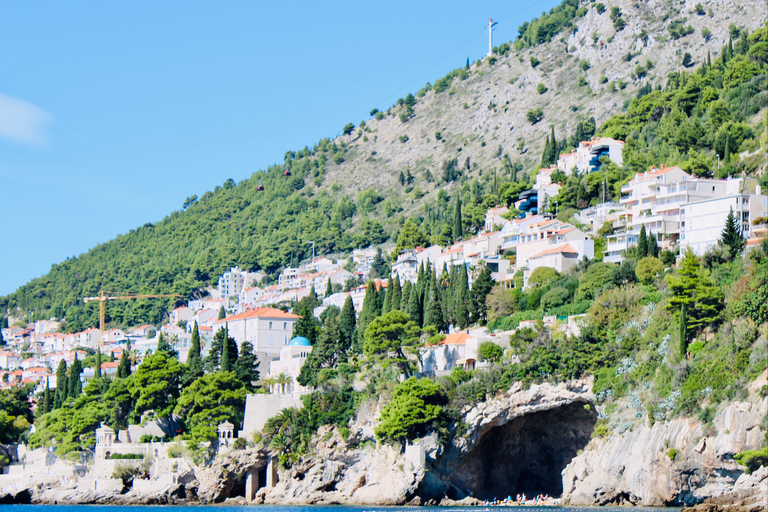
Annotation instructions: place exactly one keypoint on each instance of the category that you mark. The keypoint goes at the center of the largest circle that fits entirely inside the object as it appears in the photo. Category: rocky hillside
(466, 134)
(483, 116)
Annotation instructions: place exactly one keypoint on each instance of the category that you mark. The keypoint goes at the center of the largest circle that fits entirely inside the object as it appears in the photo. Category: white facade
(292, 358)
(655, 199)
(268, 330)
(703, 221)
(231, 283)
(586, 158)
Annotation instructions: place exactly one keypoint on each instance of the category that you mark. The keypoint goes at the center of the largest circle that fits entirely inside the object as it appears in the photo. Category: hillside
(346, 193)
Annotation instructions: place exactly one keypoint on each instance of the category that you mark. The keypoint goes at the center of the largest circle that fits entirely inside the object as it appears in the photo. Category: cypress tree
(45, 405)
(653, 246)
(414, 306)
(683, 332)
(462, 298)
(387, 306)
(368, 313)
(545, 154)
(313, 300)
(329, 288)
(642, 244)
(458, 229)
(222, 313)
(194, 359)
(480, 290)
(97, 366)
(62, 386)
(731, 235)
(405, 297)
(75, 385)
(727, 154)
(124, 368)
(347, 323)
(228, 353)
(433, 313)
(397, 293)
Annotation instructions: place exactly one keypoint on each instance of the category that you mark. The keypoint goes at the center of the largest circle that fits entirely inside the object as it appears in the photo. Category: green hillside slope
(447, 142)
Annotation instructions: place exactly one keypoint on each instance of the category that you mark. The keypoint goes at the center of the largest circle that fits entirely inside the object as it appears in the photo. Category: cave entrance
(526, 455)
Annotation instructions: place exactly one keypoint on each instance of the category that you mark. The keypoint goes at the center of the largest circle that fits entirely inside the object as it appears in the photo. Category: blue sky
(112, 113)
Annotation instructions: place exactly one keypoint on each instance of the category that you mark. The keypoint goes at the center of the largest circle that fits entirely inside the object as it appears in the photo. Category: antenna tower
(491, 24)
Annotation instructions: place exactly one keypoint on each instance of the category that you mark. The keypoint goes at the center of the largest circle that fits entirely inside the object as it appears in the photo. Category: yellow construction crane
(103, 297)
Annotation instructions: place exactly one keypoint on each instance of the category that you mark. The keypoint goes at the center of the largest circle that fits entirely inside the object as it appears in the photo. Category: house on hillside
(268, 330)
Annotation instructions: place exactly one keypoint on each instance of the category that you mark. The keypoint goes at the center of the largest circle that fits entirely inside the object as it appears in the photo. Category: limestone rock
(678, 462)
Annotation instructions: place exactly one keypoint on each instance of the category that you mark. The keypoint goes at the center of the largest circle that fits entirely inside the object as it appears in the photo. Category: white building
(232, 282)
(550, 235)
(586, 158)
(702, 222)
(268, 330)
(655, 199)
(292, 358)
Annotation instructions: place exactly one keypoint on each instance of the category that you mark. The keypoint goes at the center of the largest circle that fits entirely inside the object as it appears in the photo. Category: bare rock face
(216, 482)
(338, 474)
(517, 442)
(679, 462)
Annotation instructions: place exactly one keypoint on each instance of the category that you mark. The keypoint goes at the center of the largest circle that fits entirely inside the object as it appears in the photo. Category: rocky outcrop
(215, 484)
(519, 441)
(339, 474)
(678, 462)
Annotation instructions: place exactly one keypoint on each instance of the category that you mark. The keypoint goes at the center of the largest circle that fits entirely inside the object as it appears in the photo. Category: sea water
(310, 508)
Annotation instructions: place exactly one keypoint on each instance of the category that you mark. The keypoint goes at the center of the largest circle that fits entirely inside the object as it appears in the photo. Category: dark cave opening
(526, 455)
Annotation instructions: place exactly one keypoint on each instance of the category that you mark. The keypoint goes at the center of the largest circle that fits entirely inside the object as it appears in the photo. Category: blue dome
(299, 341)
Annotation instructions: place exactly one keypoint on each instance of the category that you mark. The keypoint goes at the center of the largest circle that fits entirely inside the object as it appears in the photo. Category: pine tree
(683, 332)
(731, 235)
(194, 359)
(62, 385)
(75, 385)
(642, 244)
(97, 366)
(307, 325)
(397, 293)
(329, 288)
(124, 368)
(246, 366)
(165, 347)
(458, 228)
(347, 323)
(387, 306)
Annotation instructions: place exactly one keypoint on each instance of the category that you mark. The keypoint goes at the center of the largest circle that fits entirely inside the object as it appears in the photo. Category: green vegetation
(543, 29)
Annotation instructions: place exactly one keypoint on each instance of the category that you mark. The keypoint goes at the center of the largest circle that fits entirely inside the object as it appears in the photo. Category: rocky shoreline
(540, 423)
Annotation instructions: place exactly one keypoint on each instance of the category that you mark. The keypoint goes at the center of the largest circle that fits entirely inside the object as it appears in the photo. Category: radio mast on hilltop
(491, 24)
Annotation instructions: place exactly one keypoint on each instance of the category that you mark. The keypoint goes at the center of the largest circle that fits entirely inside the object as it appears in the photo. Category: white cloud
(23, 122)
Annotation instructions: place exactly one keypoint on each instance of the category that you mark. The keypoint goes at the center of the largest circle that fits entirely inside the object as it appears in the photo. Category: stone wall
(259, 408)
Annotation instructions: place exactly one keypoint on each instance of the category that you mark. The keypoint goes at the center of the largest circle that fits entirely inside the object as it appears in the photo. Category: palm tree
(269, 381)
(284, 380)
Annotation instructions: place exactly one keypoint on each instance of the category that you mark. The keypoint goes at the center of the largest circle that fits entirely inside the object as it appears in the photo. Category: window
(285, 325)
(270, 325)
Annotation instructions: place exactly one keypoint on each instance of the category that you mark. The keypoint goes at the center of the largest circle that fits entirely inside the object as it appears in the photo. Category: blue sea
(312, 508)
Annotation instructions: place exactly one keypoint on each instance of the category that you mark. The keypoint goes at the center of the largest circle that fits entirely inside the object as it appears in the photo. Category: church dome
(299, 341)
